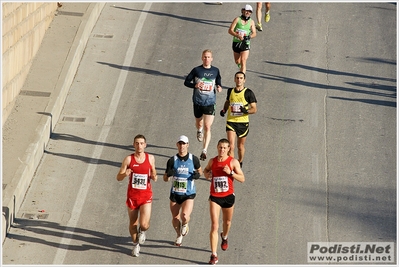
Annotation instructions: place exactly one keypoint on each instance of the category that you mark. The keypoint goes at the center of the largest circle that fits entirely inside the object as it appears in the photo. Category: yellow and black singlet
(237, 99)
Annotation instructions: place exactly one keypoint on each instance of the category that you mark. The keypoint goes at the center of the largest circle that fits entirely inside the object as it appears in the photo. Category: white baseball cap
(248, 7)
(183, 138)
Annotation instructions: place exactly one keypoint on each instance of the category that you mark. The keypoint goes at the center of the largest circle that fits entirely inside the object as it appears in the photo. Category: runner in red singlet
(140, 167)
(222, 170)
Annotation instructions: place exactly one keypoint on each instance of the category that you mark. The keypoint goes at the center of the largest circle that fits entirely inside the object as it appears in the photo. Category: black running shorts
(224, 202)
(179, 199)
(241, 129)
(203, 110)
(238, 47)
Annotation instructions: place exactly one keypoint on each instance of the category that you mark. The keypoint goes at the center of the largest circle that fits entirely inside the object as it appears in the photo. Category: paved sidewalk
(39, 105)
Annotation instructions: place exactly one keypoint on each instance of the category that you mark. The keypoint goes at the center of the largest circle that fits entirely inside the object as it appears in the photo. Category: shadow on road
(90, 240)
(372, 89)
(220, 23)
(142, 70)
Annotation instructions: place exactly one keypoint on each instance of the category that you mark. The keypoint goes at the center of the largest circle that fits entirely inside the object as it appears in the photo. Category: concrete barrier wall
(14, 193)
(23, 29)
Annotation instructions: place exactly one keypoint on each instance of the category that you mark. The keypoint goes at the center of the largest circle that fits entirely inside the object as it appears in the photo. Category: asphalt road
(321, 153)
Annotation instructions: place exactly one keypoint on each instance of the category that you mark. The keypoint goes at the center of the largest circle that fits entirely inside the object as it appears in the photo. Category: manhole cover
(74, 119)
(35, 93)
(68, 13)
(108, 36)
(40, 216)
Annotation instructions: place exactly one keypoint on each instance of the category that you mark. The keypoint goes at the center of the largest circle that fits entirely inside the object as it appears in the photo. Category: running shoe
(200, 136)
(213, 260)
(141, 237)
(136, 250)
(239, 66)
(184, 229)
(203, 155)
(178, 241)
(259, 27)
(224, 244)
(267, 17)
(241, 164)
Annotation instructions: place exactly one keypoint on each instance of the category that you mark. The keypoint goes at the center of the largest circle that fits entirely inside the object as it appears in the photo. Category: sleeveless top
(182, 182)
(221, 184)
(241, 29)
(237, 100)
(139, 180)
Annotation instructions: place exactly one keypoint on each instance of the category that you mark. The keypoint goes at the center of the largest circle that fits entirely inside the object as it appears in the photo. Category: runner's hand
(196, 175)
(222, 112)
(170, 173)
(244, 110)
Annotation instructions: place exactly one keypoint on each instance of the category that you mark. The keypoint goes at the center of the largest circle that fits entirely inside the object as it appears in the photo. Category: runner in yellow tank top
(240, 102)
(237, 100)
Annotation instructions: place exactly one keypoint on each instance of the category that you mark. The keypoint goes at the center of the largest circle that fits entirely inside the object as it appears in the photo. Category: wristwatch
(232, 172)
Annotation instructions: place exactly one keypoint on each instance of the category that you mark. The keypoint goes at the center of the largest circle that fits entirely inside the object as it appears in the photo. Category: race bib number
(208, 86)
(220, 184)
(235, 109)
(179, 185)
(241, 32)
(139, 181)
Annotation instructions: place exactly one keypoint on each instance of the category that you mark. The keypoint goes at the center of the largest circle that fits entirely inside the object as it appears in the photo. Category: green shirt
(241, 29)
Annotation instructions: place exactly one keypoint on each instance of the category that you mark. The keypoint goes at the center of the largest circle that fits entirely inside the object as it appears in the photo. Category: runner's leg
(133, 223)
(227, 217)
(145, 215)
(187, 208)
(213, 235)
(208, 120)
(175, 210)
(231, 136)
(244, 57)
(237, 58)
(198, 123)
(241, 148)
(258, 12)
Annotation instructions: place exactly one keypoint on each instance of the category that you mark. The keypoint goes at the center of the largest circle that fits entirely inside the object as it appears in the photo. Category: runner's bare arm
(226, 105)
(238, 174)
(124, 170)
(207, 170)
(154, 176)
(231, 29)
(253, 30)
(252, 109)
(199, 170)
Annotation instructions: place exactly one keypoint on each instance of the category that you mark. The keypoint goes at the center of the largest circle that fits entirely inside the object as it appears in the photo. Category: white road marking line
(84, 188)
